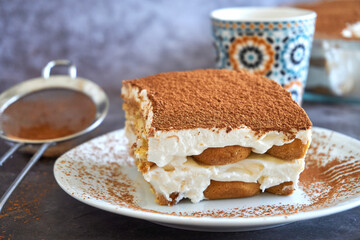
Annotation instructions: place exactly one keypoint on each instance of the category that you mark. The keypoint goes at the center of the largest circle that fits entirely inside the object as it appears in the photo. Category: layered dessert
(213, 134)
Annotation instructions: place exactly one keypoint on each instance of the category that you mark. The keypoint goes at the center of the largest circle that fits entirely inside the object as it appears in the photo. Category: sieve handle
(10, 152)
(22, 174)
(61, 62)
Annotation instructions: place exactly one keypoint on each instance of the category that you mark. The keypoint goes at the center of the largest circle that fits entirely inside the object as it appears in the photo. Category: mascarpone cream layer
(190, 179)
(168, 146)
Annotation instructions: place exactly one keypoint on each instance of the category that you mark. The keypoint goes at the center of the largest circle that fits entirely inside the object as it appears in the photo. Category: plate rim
(207, 221)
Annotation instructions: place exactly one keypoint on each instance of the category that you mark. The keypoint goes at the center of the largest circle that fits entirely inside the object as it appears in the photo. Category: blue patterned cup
(274, 42)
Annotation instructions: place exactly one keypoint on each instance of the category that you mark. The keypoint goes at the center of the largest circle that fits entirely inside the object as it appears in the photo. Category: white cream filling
(352, 30)
(190, 179)
(165, 147)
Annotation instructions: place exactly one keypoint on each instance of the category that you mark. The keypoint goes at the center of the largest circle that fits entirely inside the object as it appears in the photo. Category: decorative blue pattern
(278, 50)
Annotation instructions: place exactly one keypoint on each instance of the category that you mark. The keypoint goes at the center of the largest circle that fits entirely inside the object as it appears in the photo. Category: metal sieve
(48, 82)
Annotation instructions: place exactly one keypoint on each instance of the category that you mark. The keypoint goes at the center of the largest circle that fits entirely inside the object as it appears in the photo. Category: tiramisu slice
(211, 134)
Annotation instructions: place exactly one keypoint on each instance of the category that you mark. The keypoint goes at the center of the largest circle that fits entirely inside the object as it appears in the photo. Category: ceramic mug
(274, 42)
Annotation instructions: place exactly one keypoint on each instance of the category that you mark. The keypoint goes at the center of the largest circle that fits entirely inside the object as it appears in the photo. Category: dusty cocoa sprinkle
(118, 190)
(50, 113)
(103, 179)
(23, 207)
(333, 16)
(222, 99)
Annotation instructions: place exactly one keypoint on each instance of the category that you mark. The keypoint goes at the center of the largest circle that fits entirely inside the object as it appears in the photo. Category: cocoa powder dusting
(103, 179)
(50, 113)
(23, 208)
(325, 180)
(215, 98)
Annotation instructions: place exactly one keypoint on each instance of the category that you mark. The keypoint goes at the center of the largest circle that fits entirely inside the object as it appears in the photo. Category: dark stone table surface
(111, 41)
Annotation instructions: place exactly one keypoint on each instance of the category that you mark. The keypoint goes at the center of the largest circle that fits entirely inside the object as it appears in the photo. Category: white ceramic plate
(100, 173)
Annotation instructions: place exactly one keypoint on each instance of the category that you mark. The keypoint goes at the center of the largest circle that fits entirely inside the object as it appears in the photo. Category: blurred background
(110, 40)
